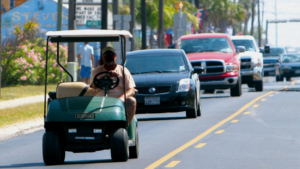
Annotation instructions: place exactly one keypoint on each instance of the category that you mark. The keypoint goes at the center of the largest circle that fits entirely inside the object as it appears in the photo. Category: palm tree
(152, 14)
(247, 4)
(223, 13)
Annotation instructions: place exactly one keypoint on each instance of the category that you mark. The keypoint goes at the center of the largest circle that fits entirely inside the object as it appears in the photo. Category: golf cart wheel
(236, 91)
(119, 149)
(134, 150)
(199, 109)
(53, 152)
(259, 86)
(288, 78)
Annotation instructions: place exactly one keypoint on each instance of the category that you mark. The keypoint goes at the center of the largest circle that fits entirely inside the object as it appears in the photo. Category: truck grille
(246, 64)
(210, 66)
(158, 90)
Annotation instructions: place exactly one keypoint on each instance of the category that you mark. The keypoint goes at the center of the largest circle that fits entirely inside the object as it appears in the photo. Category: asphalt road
(256, 130)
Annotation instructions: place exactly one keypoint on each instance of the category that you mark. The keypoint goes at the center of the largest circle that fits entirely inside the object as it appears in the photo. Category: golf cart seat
(73, 89)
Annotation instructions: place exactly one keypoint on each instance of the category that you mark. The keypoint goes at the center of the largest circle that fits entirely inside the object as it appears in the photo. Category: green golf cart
(75, 120)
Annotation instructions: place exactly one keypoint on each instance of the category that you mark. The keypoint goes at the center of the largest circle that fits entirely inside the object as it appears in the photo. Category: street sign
(87, 12)
(93, 23)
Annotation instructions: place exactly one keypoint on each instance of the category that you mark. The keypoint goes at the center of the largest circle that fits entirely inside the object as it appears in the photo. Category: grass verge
(22, 113)
(9, 93)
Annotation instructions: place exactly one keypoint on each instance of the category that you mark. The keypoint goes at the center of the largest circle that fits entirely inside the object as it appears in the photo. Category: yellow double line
(199, 137)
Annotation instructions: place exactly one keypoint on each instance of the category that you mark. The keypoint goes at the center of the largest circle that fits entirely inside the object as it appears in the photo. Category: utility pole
(161, 24)
(71, 66)
(132, 23)
(267, 25)
(103, 24)
(258, 15)
(0, 47)
(276, 22)
(115, 10)
(144, 27)
(197, 4)
(252, 20)
(59, 14)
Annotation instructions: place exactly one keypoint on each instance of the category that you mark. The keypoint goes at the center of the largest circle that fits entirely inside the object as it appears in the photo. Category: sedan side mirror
(241, 49)
(198, 69)
(267, 49)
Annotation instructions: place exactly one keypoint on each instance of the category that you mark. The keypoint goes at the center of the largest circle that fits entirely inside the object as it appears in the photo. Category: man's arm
(129, 93)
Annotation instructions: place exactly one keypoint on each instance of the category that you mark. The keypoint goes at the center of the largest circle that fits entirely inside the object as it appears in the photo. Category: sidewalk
(23, 127)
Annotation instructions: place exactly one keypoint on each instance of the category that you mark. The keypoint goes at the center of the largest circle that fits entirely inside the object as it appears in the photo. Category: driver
(109, 59)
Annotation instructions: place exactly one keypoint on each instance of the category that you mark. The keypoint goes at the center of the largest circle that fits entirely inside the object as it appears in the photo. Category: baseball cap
(108, 48)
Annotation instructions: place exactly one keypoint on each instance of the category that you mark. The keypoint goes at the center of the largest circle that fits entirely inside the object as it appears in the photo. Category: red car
(216, 54)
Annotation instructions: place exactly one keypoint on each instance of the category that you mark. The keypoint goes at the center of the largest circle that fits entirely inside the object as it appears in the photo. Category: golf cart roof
(89, 33)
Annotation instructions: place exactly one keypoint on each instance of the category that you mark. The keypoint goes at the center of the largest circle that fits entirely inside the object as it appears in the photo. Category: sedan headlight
(184, 85)
(231, 68)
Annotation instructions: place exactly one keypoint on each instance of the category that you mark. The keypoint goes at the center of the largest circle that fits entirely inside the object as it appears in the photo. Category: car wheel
(119, 149)
(288, 78)
(259, 86)
(134, 150)
(251, 85)
(237, 89)
(199, 109)
(209, 91)
(192, 113)
(53, 152)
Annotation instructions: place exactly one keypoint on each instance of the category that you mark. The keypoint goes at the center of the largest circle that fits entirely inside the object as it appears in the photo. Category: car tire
(251, 85)
(288, 78)
(259, 86)
(134, 150)
(53, 152)
(119, 149)
(199, 110)
(236, 91)
(192, 113)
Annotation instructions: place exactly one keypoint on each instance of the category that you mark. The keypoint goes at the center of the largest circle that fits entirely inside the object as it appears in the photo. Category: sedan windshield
(155, 63)
(248, 44)
(274, 52)
(291, 58)
(196, 45)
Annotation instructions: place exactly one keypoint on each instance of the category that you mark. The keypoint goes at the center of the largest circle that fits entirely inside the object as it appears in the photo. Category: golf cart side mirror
(198, 69)
(267, 49)
(240, 49)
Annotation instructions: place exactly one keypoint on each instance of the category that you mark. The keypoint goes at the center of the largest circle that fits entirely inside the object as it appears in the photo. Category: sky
(288, 34)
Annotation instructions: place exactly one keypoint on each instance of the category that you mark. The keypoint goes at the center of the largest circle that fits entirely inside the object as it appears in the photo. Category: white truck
(251, 62)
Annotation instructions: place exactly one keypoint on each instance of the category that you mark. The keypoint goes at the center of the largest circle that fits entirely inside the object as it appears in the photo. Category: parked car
(166, 81)
(251, 62)
(288, 66)
(216, 54)
(270, 59)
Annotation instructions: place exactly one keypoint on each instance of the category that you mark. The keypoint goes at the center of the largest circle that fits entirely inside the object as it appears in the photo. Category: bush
(25, 64)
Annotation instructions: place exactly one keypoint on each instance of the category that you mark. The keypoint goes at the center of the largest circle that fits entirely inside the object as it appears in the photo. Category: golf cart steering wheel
(105, 81)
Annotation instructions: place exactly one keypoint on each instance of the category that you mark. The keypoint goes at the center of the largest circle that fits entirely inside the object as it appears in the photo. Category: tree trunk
(246, 26)
(151, 38)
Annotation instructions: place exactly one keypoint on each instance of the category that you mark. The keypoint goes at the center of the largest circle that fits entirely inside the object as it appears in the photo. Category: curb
(21, 128)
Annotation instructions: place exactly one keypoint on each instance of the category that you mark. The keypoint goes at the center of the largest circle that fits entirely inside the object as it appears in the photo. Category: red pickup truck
(216, 54)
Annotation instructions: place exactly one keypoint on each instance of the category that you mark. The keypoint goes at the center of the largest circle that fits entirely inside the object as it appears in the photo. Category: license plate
(152, 100)
(85, 116)
(297, 71)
